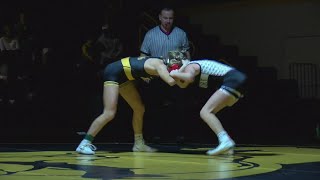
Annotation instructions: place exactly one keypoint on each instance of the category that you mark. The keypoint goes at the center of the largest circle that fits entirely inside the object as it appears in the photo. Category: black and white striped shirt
(157, 43)
(212, 67)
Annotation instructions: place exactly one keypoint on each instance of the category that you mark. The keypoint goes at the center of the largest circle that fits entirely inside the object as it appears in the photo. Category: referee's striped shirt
(157, 43)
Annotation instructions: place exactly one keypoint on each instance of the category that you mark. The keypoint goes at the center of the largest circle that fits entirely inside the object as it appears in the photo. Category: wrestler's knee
(204, 113)
(107, 115)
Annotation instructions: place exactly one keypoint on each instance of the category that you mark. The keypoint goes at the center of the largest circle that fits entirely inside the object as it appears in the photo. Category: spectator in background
(89, 73)
(22, 30)
(9, 47)
(85, 49)
(26, 42)
(88, 64)
(8, 42)
(107, 47)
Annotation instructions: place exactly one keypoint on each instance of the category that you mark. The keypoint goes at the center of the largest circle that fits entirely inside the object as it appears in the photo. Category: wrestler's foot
(223, 147)
(85, 147)
(142, 147)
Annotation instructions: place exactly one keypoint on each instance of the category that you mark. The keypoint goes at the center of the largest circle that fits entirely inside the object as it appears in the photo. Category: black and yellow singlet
(130, 68)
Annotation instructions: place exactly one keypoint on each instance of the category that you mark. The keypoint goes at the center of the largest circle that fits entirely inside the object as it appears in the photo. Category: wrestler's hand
(173, 72)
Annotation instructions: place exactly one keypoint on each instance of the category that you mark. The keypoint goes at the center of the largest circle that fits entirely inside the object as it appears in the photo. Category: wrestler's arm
(184, 78)
(181, 83)
(185, 63)
(187, 75)
(164, 74)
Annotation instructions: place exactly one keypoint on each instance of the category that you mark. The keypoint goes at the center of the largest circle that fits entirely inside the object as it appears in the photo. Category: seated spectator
(9, 52)
(8, 42)
(107, 48)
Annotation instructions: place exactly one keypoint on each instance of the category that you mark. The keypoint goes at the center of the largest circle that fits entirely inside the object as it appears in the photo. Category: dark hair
(166, 8)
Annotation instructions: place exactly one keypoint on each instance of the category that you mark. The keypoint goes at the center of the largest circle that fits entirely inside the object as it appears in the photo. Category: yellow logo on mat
(187, 164)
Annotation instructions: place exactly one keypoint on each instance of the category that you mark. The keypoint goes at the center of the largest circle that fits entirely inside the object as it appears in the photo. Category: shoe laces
(91, 146)
(140, 143)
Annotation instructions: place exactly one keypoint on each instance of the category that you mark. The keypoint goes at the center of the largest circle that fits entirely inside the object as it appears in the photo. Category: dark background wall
(272, 111)
(282, 31)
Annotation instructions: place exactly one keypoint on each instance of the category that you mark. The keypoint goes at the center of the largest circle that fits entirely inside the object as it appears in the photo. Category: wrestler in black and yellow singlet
(129, 68)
